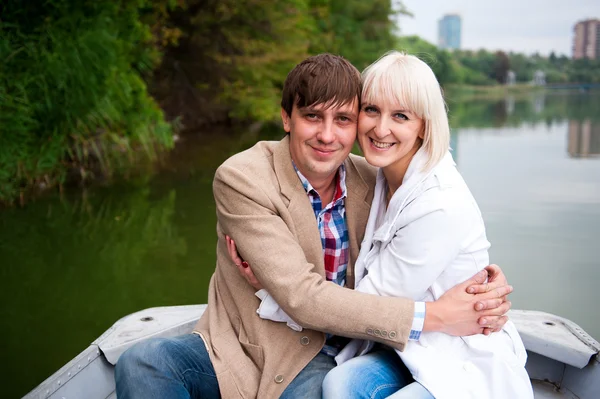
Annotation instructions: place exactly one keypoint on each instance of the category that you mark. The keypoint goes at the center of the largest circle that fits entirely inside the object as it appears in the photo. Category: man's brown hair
(321, 79)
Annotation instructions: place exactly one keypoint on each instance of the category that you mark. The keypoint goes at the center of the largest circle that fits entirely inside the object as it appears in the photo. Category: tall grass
(73, 100)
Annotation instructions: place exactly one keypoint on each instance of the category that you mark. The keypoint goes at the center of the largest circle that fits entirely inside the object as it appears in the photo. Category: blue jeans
(160, 368)
(181, 368)
(412, 391)
(377, 375)
(309, 382)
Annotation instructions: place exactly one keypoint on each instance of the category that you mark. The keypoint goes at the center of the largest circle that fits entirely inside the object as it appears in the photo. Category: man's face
(321, 138)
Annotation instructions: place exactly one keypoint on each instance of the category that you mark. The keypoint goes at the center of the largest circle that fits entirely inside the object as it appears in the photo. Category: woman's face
(388, 134)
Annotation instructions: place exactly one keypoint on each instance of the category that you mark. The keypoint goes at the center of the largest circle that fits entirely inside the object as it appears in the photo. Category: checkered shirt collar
(341, 182)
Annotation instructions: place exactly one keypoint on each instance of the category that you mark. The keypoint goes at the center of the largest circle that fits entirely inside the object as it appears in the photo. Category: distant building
(511, 77)
(586, 40)
(449, 32)
(539, 78)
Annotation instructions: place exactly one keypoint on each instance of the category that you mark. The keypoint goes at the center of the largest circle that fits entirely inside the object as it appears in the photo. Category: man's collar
(340, 182)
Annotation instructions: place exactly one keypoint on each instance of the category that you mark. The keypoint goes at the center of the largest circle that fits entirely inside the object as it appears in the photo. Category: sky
(524, 26)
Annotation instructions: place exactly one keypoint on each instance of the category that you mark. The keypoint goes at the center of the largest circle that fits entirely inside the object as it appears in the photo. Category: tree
(362, 30)
(501, 67)
(234, 55)
(446, 68)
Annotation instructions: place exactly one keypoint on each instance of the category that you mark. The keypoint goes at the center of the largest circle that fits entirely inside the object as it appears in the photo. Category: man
(297, 210)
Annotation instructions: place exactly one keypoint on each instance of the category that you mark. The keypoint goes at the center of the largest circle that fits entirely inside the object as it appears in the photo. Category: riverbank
(96, 164)
(112, 161)
(495, 92)
(192, 150)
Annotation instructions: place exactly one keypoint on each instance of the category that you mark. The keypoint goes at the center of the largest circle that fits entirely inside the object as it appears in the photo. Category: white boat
(563, 360)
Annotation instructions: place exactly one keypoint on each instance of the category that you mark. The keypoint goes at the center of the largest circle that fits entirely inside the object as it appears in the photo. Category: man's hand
(243, 266)
(459, 312)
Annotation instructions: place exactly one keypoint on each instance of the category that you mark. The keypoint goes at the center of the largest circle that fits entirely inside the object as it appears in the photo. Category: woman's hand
(242, 265)
(475, 306)
(495, 282)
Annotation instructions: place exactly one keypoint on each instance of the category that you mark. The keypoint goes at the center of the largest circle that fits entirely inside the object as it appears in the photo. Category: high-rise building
(449, 32)
(586, 42)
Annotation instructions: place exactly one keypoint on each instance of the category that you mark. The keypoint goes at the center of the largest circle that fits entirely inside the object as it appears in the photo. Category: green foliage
(232, 58)
(557, 69)
(74, 96)
(264, 43)
(481, 61)
(234, 55)
(444, 64)
(362, 31)
(74, 99)
(72, 93)
(583, 70)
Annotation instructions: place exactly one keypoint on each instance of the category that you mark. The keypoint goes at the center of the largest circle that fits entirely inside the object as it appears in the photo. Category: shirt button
(305, 340)
(392, 334)
(278, 378)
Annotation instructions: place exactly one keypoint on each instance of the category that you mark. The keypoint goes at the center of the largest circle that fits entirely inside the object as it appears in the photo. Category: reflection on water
(72, 266)
(523, 109)
(538, 102)
(509, 103)
(584, 138)
(542, 212)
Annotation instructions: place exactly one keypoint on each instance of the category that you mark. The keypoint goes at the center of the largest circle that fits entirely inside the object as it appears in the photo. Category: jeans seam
(197, 372)
(382, 387)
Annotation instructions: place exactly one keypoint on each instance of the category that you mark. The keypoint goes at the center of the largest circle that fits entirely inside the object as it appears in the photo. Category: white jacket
(431, 238)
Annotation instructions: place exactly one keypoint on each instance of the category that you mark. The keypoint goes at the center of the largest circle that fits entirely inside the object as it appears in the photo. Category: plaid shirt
(335, 242)
(334, 239)
(332, 226)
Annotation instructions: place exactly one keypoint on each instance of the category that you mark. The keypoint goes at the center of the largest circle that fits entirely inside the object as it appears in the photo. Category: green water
(71, 265)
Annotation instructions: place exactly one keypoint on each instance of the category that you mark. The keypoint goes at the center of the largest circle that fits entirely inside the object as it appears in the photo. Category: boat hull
(563, 361)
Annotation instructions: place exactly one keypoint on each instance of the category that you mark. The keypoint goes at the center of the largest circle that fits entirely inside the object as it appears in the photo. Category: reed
(73, 95)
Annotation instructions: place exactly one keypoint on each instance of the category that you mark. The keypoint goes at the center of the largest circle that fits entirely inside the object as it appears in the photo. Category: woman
(425, 234)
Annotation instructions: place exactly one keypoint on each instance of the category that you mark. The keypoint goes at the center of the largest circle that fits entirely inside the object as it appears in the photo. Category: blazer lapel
(299, 205)
(357, 214)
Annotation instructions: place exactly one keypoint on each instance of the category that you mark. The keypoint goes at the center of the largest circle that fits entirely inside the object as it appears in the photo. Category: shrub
(72, 92)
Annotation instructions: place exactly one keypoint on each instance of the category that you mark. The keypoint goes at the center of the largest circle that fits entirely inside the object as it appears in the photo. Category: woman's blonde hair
(405, 80)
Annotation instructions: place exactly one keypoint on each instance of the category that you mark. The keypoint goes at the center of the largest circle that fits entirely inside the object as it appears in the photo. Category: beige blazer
(262, 205)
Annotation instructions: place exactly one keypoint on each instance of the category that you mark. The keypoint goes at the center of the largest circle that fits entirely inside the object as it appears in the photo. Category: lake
(73, 264)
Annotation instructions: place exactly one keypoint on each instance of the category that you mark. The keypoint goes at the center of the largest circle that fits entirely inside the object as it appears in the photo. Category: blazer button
(305, 340)
(392, 334)
(384, 333)
(278, 378)
(377, 332)
(370, 331)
